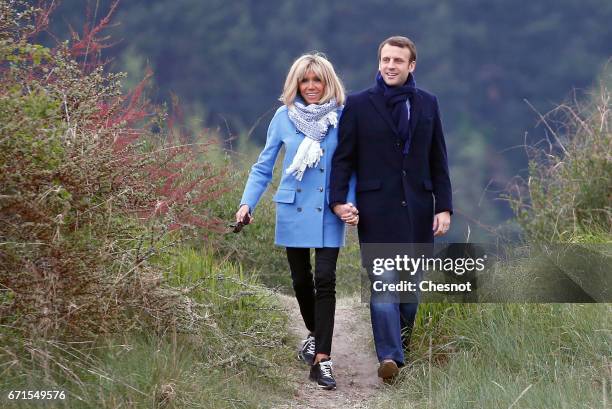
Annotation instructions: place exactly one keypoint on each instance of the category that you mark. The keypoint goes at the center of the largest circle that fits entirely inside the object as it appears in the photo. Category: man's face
(395, 65)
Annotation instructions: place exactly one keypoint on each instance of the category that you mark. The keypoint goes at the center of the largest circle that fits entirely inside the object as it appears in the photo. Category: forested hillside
(227, 60)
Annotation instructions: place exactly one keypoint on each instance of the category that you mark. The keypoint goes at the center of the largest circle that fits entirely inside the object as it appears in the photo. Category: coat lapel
(379, 103)
(415, 111)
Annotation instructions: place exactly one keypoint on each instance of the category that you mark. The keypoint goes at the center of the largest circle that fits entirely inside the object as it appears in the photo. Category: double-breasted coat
(303, 216)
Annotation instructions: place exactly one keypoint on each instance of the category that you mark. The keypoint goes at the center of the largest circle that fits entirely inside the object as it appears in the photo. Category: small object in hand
(237, 227)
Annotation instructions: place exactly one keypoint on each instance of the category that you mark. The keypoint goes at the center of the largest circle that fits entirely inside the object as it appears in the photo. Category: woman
(307, 126)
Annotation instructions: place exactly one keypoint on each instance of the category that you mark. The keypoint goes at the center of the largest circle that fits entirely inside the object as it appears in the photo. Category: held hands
(441, 223)
(348, 213)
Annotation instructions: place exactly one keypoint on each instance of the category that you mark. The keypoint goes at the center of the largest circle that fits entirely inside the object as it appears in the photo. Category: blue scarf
(395, 98)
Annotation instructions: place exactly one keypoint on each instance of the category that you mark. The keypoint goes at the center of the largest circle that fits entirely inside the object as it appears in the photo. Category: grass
(514, 355)
(509, 355)
(229, 357)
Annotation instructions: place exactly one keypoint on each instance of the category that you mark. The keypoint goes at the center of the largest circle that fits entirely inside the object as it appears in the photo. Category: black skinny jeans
(317, 299)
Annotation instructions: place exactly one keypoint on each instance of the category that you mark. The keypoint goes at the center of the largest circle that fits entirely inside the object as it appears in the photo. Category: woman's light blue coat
(303, 216)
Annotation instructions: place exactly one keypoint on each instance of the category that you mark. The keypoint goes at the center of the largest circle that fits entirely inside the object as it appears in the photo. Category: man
(391, 136)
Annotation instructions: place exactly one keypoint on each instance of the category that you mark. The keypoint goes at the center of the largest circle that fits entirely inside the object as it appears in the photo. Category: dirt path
(354, 359)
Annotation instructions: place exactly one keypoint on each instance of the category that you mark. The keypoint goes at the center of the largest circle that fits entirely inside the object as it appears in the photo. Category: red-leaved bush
(93, 184)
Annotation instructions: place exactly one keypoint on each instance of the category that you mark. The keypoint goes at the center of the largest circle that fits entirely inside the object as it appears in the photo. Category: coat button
(298, 190)
(320, 209)
(404, 204)
(322, 170)
(320, 189)
(397, 143)
(299, 209)
(296, 131)
(322, 150)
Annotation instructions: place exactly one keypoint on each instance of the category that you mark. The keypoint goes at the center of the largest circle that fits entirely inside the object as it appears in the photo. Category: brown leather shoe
(388, 370)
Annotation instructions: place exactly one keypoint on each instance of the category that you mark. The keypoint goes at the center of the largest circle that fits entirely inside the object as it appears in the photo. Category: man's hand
(441, 223)
(348, 213)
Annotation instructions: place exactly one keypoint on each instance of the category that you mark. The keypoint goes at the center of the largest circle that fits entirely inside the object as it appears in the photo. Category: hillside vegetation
(103, 299)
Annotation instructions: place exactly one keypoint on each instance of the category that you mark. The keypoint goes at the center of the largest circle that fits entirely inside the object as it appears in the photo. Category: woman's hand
(243, 215)
(353, 220)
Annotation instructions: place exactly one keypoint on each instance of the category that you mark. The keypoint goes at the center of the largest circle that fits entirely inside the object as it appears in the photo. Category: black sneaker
(307, 352)
(321, 373)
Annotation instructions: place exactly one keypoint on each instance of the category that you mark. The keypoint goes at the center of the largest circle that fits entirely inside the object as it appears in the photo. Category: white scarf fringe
(309, 152)
(308, 155)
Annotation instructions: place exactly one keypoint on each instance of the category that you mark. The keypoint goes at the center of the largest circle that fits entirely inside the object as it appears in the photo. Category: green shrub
(88, 190)
(99, 297)
(567, 193)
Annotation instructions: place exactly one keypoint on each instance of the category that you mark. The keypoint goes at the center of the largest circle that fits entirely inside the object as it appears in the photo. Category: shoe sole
(388, 370)
(324, 387)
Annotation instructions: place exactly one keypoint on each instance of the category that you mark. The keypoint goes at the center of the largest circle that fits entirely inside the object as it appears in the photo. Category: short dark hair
(402, 42)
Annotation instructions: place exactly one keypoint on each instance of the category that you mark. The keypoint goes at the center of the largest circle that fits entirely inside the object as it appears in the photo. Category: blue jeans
(392, 318)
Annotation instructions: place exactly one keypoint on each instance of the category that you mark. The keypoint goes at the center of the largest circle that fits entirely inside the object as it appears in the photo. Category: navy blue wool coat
(397, 194)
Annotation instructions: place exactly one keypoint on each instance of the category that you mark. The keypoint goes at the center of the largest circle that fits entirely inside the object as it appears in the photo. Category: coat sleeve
(345, 157)
(261, 172)
(351, 195)
(439, 167)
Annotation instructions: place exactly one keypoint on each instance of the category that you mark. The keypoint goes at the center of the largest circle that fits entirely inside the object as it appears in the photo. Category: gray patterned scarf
(313, 121)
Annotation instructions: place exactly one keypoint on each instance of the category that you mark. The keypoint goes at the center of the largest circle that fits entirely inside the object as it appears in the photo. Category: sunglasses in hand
(237, 226)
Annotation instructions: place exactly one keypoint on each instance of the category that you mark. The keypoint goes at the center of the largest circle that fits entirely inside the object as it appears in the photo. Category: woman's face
(312, 88)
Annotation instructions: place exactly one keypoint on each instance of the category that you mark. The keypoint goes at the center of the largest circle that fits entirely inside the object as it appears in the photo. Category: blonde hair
(322, 68)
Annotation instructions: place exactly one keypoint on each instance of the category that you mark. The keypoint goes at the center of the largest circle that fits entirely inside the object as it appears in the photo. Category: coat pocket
(368, 185)
(427, 185)
(284, 196)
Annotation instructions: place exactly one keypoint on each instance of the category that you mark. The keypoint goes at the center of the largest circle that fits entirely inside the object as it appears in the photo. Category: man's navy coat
(397, 194)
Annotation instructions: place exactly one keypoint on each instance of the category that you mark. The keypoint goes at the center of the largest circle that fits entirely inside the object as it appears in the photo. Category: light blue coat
(303, 216)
